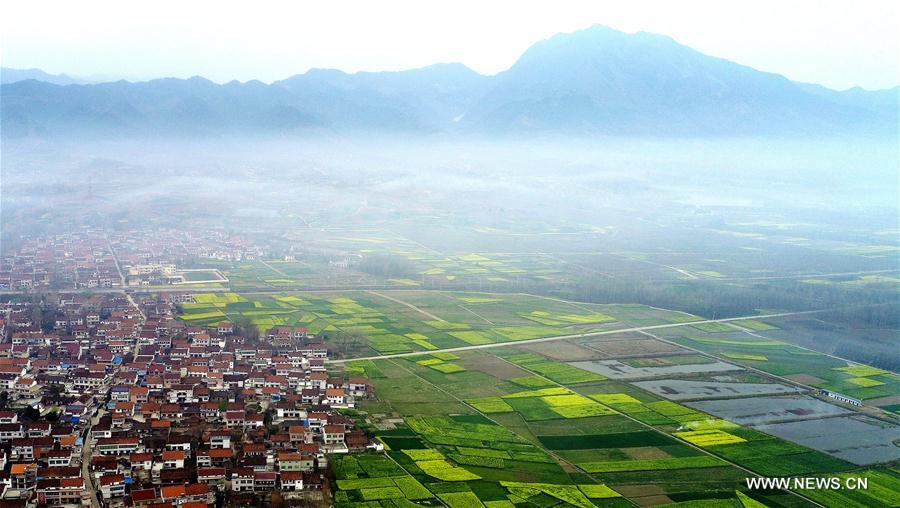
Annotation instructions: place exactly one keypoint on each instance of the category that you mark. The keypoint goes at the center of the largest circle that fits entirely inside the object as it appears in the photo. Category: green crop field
(517, 433)
(882, 489)
(405, 321)
(786, 360)
(511, 425)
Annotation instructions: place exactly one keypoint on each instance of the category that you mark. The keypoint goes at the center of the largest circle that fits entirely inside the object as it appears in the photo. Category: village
(121, 404)
(95, 259)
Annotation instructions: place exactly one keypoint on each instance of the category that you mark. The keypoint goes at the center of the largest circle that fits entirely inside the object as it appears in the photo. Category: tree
(346, 341)
(244, 327)
(388, 266)
(55, 391)
(30, 414)
(37, 313)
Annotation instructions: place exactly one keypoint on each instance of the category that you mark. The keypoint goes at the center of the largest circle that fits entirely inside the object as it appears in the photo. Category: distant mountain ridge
(591, 82)
(8, 75)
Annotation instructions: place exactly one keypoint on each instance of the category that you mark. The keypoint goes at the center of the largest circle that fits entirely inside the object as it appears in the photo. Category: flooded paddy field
(683, 389)
(765, 410)
(615, 369)
(857, 439)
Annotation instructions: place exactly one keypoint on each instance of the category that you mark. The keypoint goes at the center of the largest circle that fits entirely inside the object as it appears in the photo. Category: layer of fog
(557, 181)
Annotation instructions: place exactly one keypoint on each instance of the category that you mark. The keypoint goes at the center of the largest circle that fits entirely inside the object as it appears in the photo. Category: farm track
(407, 304)
(686, 273)
(276, 270)
(479, 316)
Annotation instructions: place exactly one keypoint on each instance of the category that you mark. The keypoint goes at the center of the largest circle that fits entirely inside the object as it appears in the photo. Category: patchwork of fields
(422, 268)
(248, 275)
(510, 426)
(580, 428)
(418, 320)
(778, 358)
(677, 417)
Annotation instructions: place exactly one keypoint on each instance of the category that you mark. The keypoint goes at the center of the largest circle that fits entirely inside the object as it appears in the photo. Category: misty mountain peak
(592, 81)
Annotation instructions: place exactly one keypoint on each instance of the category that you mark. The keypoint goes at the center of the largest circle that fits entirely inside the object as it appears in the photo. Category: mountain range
(8, 75)
(596, 81)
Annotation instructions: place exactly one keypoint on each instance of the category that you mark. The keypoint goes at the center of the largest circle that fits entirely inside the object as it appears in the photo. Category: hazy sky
(836, 43)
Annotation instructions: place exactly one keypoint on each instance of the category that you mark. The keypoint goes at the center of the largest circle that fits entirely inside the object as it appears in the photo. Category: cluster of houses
(157, 248)
(122, 404)
(75, 260)
(91, 258)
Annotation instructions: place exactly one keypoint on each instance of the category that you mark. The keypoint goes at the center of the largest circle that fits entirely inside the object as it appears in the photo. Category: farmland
(780, 358)
(883, 488)
(617, 369)
(857, 439)
(516, 420)
(761, 410)
(679, 415)
(685, 389)
(421, 268)
(408, 321)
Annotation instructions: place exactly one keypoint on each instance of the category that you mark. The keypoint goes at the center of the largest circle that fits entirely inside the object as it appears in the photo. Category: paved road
(576, 336)
(86, 469)
(137, 346)
(86, 461)
(116, 260)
